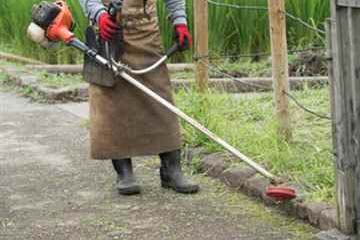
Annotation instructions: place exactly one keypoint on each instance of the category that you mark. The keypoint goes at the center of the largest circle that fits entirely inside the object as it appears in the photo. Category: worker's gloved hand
(183, 36)
(107, 26)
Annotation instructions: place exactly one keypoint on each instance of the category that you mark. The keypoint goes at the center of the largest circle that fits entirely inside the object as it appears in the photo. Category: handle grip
(173, 49)
(115, 7)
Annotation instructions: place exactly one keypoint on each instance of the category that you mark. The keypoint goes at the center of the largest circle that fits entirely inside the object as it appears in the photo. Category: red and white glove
(183, 36)
(107, 27)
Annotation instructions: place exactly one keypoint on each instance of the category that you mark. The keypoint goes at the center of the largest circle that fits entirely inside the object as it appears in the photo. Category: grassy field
(232, 31)
(248, 123)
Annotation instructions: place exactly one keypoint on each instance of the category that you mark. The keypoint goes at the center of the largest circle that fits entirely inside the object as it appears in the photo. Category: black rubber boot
(172, 176)
(126, 182)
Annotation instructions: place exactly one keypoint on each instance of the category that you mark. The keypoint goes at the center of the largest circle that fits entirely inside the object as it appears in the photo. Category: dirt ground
(51, 190)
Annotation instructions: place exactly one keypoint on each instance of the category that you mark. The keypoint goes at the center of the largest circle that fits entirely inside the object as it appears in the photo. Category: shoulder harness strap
(145, 9)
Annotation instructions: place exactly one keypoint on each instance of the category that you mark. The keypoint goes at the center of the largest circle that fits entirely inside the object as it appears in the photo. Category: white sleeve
(93, 8)
(177, 11)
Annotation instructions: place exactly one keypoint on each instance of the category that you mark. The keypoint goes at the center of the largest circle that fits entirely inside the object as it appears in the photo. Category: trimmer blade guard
(281, 193)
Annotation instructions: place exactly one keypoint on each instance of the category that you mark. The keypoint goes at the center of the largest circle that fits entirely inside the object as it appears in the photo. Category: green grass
(3, 81)
(16, 16)
(231, 31)
(262, 68)
(59, 80)
(3, 77)
(249, 124)
(240, 68)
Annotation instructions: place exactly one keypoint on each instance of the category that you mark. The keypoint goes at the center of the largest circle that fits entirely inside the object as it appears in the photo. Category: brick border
(319, 214)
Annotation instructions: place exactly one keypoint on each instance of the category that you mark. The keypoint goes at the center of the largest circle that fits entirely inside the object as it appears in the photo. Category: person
(124, 122)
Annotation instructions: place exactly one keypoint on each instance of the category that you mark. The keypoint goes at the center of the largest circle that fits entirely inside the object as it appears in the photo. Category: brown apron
(124, 122)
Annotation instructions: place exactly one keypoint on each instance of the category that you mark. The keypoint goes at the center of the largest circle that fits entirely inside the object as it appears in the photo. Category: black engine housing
(43, 14)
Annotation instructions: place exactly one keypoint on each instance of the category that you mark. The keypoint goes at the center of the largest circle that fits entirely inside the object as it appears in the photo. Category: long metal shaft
(117, 70)
(199, 127)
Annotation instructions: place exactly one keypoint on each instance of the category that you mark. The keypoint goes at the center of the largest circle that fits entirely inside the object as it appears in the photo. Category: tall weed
(231, 31)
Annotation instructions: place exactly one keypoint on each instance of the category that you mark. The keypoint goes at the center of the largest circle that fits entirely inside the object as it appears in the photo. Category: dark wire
(253, 55)
(219, 70)
(307, 25)
(305, 108)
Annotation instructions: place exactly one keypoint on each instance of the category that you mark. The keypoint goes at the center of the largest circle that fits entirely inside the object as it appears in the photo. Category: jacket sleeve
(177, 11)
(93, 9)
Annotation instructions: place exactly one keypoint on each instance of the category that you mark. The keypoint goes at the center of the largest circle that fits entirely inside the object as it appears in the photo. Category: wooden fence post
(344, 179)
(201, 16)
(280, 67)
(345, 76)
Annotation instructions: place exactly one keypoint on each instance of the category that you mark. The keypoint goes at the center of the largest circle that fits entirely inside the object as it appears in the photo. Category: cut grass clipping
(248, 123)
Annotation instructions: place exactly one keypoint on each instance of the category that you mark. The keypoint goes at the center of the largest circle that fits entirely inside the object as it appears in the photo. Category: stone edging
(319, 214)
(25, 78)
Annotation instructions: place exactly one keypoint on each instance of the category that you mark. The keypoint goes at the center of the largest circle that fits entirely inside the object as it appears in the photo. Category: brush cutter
(52, 22)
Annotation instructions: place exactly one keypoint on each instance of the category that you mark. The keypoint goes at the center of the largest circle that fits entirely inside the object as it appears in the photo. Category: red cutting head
(281, 193)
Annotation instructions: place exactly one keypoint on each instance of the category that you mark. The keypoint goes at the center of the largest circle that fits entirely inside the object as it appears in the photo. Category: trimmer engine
(52, 22)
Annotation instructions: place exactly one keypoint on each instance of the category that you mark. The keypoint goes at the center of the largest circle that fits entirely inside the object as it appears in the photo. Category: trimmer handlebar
(168, 54)
(74, 42)
(173, 49)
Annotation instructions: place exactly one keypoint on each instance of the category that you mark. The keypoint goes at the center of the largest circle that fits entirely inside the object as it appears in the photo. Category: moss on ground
(4, 84)
(165, 214)
(236, 203)
(59, 80)
(3, 77)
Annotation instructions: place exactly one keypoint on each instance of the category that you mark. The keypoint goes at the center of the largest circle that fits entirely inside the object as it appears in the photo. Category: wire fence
(261, 8)
(254, 55)
(222, 72)
(260, 54)
(219, 70)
